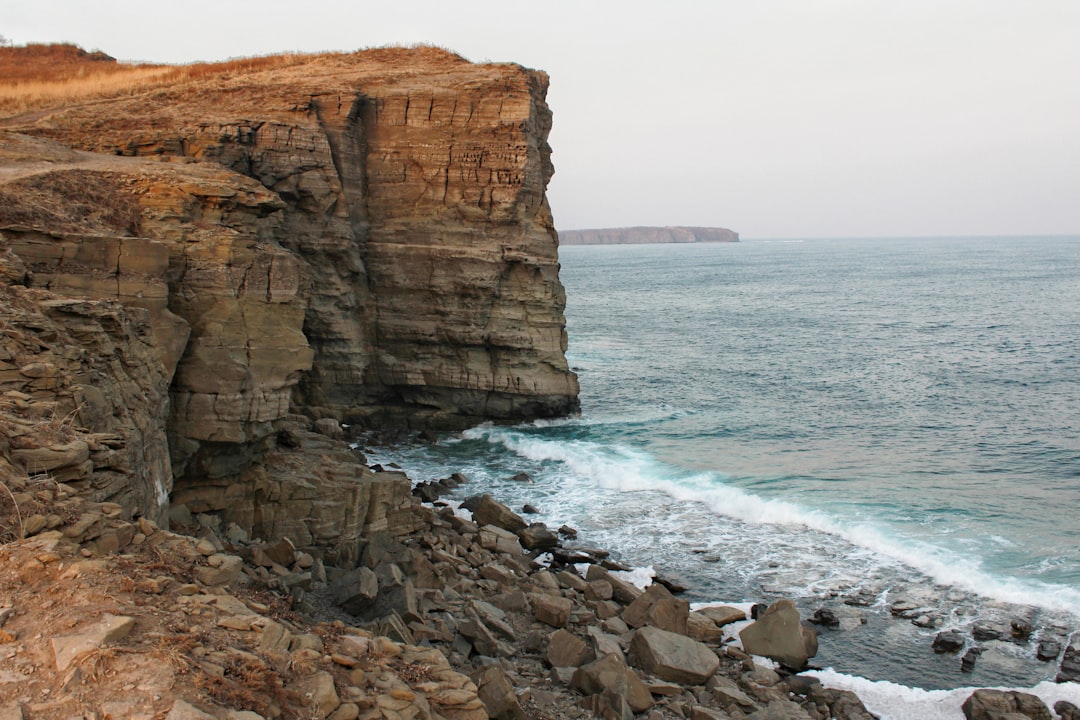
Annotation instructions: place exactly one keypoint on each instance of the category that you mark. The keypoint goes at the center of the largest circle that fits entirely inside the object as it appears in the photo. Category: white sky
(776, 118)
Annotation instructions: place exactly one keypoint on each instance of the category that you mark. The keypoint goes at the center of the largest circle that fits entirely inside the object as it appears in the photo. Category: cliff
(350, 238)
(646, 235)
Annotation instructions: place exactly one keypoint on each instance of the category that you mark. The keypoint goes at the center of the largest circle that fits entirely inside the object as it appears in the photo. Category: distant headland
(645, 234)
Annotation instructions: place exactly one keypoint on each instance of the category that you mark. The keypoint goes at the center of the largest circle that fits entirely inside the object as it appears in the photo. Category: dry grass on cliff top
(45, 76)
(38, 77)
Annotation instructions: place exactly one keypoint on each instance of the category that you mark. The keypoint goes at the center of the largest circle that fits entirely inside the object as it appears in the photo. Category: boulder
(635, 613)
(552, 610)
(672, 657)
(825, 617)
(488, 511)
(671, 614)
(727, 692)
(222, 570)
(967, 663)
(1048, 650)
(701, 628)
(355, 590)
(500, 540)
(723, 614)
(567, 650)
(1066, 710)
(1000, 704)
(948, 641)
(779, 635)
(67, 649)
(537, 537)
(610, 674)
(496, 691)
(1069, 670)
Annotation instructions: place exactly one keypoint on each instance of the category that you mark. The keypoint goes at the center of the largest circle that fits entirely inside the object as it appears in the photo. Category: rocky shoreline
(439, 616)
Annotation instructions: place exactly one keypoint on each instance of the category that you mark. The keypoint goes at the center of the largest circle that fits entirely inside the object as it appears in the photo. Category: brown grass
(50, 76)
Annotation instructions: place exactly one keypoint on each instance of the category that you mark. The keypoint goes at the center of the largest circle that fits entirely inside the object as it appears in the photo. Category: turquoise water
(838, 421)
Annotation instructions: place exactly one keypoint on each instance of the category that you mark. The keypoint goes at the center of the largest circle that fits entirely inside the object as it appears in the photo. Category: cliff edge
(357, 238)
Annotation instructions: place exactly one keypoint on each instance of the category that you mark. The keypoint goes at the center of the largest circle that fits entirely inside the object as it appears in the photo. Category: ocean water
(842, 422)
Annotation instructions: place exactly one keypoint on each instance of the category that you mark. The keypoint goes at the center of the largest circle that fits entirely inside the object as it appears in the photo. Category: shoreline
(896, 612)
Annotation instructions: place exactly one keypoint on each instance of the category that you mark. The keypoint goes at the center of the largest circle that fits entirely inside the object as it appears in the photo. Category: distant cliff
(644, 235)
(361, 238)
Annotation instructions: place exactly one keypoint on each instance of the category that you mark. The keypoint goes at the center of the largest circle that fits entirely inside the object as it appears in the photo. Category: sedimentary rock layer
(364, 237)
(360, 238)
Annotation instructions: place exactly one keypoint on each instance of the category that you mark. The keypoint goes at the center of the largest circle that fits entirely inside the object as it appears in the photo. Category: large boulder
(488, 511)
(611, 674)
(672, 657)
(779, 635)
(496, 691)
(1004, 704)
(567, 650)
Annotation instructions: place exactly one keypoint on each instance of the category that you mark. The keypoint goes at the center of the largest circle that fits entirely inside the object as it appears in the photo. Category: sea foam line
(622, 468)
(892, 701)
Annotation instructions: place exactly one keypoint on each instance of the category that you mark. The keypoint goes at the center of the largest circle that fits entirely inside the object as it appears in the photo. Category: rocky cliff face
(360, 237)
(646, 235)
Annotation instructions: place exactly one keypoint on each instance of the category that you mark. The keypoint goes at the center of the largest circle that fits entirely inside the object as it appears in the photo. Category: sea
(845, 422)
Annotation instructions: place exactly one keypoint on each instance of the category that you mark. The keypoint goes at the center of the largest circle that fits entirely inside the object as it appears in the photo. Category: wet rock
(825, 617)
(1048, 650)
(672, 657)
(906, 608)
(427, 492)
(673, 583)
(529, 509)
(999, 704)
(1066, 710)
(984, 632)
(779, 635)
(949, 641)
(1069, 670)
(967, 663)
(522, 477)
(1021, 629)
(568, 532)
(842, 704)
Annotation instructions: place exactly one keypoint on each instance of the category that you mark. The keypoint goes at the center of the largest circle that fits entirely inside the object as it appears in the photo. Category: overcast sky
(776, 118)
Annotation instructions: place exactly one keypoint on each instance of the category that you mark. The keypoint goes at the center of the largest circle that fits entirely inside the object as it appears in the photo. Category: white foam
(625, 469)
(640, 577)
(891, 701)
